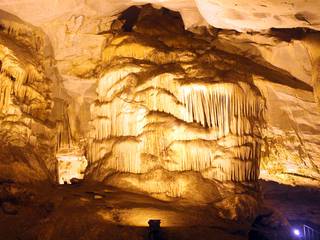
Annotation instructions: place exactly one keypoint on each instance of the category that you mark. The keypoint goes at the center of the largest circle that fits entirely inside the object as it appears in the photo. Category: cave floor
(94, 211)
(300, 205)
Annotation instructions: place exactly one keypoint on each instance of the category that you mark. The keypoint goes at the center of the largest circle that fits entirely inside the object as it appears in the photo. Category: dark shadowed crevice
(271, 73)
(288, 34)
(130, 16)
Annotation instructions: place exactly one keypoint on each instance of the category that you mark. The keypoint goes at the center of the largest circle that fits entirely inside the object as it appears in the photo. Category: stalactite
(17, 79)
(5, 88)
(34, 39)
(115, 119)
(64, 138)
(112, 78)
(180, 121)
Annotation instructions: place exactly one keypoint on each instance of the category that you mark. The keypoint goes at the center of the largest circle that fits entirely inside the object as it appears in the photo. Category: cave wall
(291, 150)
(243, 15)
(26, 132)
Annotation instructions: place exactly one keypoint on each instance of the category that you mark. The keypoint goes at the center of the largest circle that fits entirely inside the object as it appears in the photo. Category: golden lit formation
(71, 164)
(164, 108)
(26, 137)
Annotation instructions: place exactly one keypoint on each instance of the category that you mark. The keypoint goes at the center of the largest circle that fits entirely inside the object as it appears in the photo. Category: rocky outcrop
(291, 152)
(27, 139)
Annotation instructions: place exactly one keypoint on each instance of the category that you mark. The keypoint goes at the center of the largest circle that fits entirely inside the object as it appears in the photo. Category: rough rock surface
(258, 15)
(291, 150)
(94, 212)
(227, 14)
(9, 208)
(173, 117)
(26, 134)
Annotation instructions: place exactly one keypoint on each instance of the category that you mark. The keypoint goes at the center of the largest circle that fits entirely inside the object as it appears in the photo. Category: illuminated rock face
(227, 14)
(26, 140)
(258, 15)
(291, 151)
(71, 165)
(172, 113)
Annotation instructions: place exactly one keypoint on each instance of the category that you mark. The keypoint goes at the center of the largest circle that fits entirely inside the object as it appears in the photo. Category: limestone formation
(27, 136)
(259, 15)
(240, 15)
(290, 151)
(173, 114)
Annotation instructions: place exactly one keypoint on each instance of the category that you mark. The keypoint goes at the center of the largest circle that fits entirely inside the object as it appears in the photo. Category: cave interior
(159, 120)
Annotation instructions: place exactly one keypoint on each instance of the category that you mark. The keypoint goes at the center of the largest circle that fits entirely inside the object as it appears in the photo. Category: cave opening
(71, 166)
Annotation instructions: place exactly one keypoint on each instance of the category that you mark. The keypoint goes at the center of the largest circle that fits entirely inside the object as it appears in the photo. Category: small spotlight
(296, 232)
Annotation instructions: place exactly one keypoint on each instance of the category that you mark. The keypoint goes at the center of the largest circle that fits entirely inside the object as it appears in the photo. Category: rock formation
(27, 136)
(173, 117)
(259, 15)
(290, 153)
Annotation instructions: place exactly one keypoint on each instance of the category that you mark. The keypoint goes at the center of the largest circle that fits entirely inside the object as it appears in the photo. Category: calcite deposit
(26, 133)
(290, 152)
(173, 105)
(173, 116)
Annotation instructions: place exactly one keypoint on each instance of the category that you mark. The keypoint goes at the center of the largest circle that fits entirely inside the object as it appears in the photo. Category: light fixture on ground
(296, 232)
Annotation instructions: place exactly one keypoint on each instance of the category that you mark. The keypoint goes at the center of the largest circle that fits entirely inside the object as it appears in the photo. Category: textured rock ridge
(27, 139)
(258, 15)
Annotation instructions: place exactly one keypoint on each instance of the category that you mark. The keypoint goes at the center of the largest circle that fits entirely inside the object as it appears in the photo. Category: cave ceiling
(227, 14)
(73, 26)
